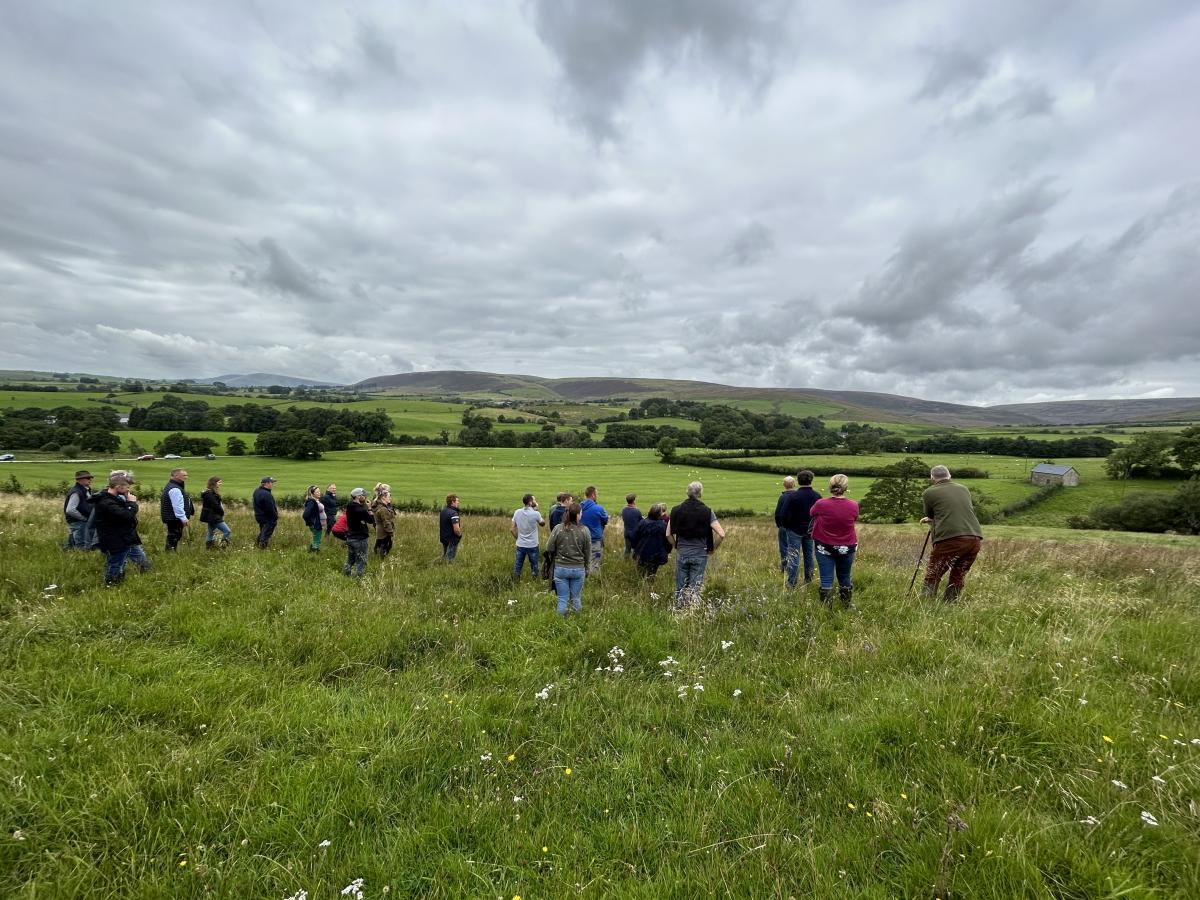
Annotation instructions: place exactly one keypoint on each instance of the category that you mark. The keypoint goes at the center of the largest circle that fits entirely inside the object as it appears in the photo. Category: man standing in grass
(956, 534)
(77, 508)
(631, 518)
(450, 528)
(329, 501)
(695, 533)
(559, 509)
(116, 527)
(797, 521)
(525, 524)
(789, 486)
(358, 517)
(266, 513)
(594, 517)
(175, 507)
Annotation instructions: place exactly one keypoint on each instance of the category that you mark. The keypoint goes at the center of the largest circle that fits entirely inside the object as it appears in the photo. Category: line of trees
(1157, 455)
(64, 428)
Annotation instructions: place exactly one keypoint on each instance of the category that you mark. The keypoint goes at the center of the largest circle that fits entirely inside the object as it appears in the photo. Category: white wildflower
(354, 889)
(324, 844)
(299, 895)
(737, 692)
(697, 686)
(18, 835)
(1083, 701)
(544, 693)
(50, 587)
(1149, 819)
(517, 798)
(1122, 785)
(653, 596)
(1159, 779)
(668, 663)
(725, 645)
(1196, 741)
(1090, 820)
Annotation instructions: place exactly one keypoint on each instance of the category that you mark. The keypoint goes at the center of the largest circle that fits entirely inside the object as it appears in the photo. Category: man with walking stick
(955, 531)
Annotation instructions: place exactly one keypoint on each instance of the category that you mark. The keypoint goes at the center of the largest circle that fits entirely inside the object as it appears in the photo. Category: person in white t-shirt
(525, 524)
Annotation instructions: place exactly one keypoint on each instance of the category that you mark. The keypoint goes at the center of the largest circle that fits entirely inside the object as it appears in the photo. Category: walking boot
(826, 595)
(951, 593)
(210, 545)
(844, 594)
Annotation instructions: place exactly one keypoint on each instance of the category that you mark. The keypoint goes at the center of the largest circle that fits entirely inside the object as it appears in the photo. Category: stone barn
(1049, 473)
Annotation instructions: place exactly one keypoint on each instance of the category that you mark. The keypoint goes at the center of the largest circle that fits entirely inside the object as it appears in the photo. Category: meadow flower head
(486, 757)
(737, 692)
(1107, 739)
(512, 757)
(544, 693)
(567, 770)
(1090, 820)
(725, 645)
(1148, 819)
(325, 843)
(299, 895)
(354, 889)
(1122, 785)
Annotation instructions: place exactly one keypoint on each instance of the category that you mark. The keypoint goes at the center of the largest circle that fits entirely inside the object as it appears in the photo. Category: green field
(249, 724)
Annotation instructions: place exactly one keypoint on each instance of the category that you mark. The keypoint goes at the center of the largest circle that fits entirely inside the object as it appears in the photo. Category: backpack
(341, 526)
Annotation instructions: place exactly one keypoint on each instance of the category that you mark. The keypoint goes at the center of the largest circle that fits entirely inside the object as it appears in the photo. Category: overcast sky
(973, 201)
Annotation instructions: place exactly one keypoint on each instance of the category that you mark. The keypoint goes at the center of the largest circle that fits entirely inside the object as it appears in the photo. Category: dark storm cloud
(975, 201)
(604, 47)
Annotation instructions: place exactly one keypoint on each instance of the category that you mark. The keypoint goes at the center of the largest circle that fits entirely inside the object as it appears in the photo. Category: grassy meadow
(252, 724)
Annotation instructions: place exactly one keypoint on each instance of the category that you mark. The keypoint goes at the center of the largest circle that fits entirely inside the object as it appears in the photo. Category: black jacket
(265, 509)
(795, 514)
(358, 516)
(116, 522)
(311, 514)
(212, 510)
(165, 510)
(330, 503)
(692, 519)
(650, 541)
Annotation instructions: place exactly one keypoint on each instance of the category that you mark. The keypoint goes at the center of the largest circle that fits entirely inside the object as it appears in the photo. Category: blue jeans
(450, 550)
(830, 562)
(356, 557)
(114, 566)
(783, 548)
(799, 546)
(568, 584)
(689, 578)
(79, 536)
(597, 554)
(526, 553)
(213, 528)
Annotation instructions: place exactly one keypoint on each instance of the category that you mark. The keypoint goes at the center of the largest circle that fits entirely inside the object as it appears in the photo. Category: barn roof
(1052, 469)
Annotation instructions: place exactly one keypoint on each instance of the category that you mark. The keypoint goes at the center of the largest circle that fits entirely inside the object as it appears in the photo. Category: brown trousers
(956, 554)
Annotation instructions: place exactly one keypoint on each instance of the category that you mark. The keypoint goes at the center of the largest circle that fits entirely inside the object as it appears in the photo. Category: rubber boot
(845, 594)
(951, 593)
(826, 594)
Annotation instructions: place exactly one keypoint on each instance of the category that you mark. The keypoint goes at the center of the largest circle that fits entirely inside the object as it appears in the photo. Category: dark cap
(83, 473)
(268, 478)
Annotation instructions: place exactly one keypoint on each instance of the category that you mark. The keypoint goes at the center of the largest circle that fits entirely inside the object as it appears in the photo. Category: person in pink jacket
(835, 539)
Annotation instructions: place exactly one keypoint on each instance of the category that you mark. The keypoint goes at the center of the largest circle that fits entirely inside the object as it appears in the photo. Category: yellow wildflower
(1107, 739)
(852, 806)
(567, 771)
(512, 757)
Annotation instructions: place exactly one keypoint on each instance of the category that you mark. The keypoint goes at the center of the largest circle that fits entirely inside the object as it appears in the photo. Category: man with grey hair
(789, 485)
(175, 507)
(695, 533)
(956, 534)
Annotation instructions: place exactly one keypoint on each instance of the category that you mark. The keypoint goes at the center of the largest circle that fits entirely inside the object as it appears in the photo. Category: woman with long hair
(650, 545)
(835, 539)
(385, 519)
(212, 514)
(315, 516)
(571, 545)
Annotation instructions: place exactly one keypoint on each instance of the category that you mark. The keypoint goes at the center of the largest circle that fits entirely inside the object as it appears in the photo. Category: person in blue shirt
(593, 517)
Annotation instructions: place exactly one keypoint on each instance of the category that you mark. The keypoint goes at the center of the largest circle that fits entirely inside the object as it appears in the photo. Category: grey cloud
(276, 270)
(604, 47)
(750, 245)
(939, 264)
(952, 70)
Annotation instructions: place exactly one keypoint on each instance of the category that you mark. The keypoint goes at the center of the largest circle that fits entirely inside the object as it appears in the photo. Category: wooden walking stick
(920, 559)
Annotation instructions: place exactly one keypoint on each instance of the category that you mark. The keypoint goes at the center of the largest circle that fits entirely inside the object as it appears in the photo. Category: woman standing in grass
(571, 545)
(835, 539)
(315, 516)
(212, 514)
(650, 546)
(385, 519)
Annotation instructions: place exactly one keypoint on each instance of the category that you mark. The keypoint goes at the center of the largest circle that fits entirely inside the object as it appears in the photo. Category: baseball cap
(83, 473)
(358, 492)
(268, 478)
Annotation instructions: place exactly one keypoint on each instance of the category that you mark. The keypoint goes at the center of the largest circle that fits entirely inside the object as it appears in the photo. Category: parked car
(145, 457)
(211, 456)
(172, 456)
(6, 457)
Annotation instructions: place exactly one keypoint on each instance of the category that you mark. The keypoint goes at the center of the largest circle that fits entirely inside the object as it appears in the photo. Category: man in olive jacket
(957, 536)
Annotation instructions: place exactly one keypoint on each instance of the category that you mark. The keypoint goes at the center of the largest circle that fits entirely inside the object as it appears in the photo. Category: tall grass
(205, 729)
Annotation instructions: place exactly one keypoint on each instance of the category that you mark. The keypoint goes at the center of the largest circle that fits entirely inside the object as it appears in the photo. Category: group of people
(815, 533)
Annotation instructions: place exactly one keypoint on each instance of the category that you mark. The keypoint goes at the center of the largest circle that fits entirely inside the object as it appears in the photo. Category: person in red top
(835, 539)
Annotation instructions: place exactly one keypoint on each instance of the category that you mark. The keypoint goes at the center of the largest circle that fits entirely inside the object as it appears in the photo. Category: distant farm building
(1049, 473)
